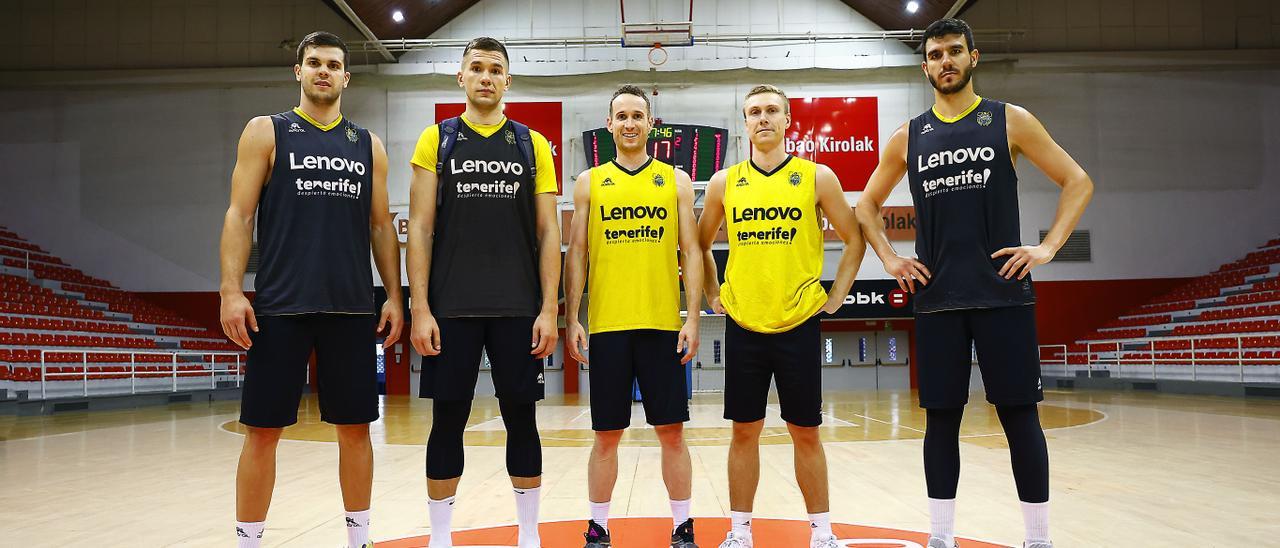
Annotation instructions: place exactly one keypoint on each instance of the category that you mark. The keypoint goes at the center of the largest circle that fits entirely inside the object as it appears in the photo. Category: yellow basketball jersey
(633, 275)
(772, 282)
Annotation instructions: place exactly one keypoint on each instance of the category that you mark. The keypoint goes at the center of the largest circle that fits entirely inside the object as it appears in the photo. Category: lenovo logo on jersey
(327, 162)
(827, 144)
(632, 212)
(767, 214)
(481, 166)
(957, 156)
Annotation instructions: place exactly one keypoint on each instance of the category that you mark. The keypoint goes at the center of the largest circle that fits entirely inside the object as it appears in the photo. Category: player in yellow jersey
(773, 294)
(628, 217)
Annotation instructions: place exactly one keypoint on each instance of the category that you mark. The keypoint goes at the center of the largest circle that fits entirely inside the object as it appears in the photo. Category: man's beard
(319, 98)
(964, 76)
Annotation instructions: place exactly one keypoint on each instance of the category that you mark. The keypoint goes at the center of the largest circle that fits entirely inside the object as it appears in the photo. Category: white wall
(513, 19)
(126, 174)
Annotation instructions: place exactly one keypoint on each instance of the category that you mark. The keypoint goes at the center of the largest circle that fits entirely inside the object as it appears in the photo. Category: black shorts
(646, 356)
(452, 375)
(1005, 339)
(793, 358)
(346, 369)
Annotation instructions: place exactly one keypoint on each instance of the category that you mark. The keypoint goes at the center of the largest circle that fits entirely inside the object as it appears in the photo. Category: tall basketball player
(972, 279)
(627, 217)
(484, 263)
(773, 204)
(318, 184)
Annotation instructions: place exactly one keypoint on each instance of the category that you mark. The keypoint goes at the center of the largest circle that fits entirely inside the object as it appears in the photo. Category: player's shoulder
(1017, 113)
(259, 132)
(261, 123)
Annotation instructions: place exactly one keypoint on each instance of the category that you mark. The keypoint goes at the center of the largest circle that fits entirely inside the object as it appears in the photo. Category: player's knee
(671, 436)
(262, 440)
(805, 436)
(352, 435)
(608, 440)
(747, 432)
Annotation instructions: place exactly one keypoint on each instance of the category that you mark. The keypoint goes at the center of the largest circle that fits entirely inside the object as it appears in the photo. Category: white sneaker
(828, 541)
(935, 542)
(736, 541)
(1037, 545)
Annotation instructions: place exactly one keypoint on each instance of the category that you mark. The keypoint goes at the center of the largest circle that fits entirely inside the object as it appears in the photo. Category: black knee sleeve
(1028, 451)
(524, 449)
(444, 444)
(942, 452)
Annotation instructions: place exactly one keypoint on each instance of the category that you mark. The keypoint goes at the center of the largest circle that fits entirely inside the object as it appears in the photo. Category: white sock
(441, 522)
(527, 516)
(679, 512)
(600, 514)
(357, 529)
(249, 533)
(1035, 516)
(942, 519)
(820, 526)
(741, 523)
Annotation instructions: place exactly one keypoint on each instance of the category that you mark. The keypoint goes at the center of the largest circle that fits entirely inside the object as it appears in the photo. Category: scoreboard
(698, 150)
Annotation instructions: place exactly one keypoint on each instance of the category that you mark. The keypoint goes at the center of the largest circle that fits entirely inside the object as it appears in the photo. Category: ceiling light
(913, 6)
(399, 17)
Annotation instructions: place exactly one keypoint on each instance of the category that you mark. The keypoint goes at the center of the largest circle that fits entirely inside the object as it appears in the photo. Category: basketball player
(626, 218)
(318, 183)
(484, 262)
(971, 280)
(772, 294)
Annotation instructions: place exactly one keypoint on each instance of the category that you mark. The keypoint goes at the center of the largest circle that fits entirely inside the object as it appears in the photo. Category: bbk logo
(864, 298)
(295, 128)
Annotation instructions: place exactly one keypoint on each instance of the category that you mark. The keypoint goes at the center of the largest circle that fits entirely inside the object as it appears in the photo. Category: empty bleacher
(1223, 326)
(66, 333)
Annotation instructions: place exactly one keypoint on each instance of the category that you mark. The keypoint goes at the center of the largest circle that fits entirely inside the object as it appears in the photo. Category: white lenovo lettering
(957, 156)
(481, 166)
(327, 162)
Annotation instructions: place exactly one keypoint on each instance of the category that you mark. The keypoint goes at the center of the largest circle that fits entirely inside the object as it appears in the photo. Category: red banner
(841, 132)
(545, 117)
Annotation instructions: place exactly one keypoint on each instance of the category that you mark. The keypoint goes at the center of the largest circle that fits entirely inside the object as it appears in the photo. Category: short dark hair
(485, 43)
(322, 39)
(631, 89)
(946, 27)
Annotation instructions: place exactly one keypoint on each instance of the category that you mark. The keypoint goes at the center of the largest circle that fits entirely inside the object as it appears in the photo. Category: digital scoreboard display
(698, 150)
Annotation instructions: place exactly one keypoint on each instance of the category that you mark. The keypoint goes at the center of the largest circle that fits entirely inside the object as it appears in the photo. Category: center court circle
(648, 532)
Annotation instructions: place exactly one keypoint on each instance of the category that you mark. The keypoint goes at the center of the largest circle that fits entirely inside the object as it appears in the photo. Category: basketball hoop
(657, 55)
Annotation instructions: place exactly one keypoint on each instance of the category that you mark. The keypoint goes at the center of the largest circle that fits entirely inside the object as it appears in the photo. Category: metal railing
(174, 372)
(1142, 354)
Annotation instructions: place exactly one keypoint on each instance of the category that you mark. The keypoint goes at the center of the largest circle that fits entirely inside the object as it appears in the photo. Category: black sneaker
(683, 535)
(597, 536)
